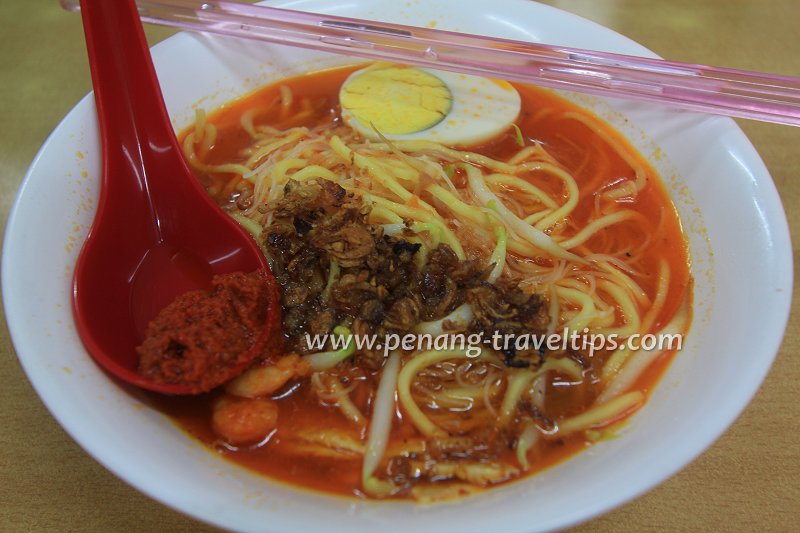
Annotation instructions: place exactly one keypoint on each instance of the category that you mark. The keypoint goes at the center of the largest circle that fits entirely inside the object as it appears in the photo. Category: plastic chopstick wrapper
(722, 91)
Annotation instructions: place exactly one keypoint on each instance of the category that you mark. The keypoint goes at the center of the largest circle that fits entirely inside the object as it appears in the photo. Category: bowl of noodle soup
(595, 215)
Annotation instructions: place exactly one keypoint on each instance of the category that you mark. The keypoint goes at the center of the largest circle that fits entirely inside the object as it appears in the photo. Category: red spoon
(157, 233)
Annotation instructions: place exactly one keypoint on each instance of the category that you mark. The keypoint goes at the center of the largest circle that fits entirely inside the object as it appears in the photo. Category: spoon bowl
(157, 233)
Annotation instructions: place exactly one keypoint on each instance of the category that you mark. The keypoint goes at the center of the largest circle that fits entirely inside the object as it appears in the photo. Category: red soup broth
(579, 149)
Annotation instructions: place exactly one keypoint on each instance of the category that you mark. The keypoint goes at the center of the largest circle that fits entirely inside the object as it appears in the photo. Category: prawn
(259, 381)
(242, 421)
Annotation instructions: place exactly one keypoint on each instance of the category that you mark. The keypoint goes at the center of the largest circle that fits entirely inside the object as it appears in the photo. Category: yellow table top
(748, 480)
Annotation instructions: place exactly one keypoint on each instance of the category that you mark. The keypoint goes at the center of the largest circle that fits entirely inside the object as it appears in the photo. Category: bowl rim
(703, 439)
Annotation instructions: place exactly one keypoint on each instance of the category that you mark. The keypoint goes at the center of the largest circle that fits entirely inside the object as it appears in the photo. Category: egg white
(481, 109)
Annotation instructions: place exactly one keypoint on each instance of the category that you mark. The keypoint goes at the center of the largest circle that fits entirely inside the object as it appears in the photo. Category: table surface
(748, 480)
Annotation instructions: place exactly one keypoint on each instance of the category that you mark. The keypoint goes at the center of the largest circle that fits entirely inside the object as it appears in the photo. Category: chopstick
(721, 91)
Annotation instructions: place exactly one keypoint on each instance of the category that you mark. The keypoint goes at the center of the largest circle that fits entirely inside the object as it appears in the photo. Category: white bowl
(729, 207)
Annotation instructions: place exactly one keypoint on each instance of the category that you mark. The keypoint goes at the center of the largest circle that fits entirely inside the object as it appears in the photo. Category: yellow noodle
(273, 146)
(270, 176)
(536, 237)
(194, 161)
(614, 363)
(572, 198)
(246, 120)
(533, 218)
(600, 414)
(422, 215)
(600, 131)
(629, 310)
(341, 149)
(641, 359)
(587, 312)
(596, 225)
(314, 171)
(553, 310)
(522, 155)
(286, 100)
(400, 170)
(463, 210)
(661, 296)
(407, 374)
(520, 381)
(209, 139)
(381, 215)
(526, 441)
(378, 172)
(199, 124)
(523, 186)
(623, 279)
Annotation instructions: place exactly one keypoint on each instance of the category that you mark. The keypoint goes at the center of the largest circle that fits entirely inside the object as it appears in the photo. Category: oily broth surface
(590, 160)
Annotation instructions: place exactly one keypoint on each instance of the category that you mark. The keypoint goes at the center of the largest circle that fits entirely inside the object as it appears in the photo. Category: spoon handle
(737, 93)
(114, 45)
(131, 112)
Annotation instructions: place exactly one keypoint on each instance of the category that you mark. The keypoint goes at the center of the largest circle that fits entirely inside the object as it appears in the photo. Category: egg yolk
(397, 100)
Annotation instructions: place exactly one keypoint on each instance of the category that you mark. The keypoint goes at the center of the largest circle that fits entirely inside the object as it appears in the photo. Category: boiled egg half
(411, 103)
